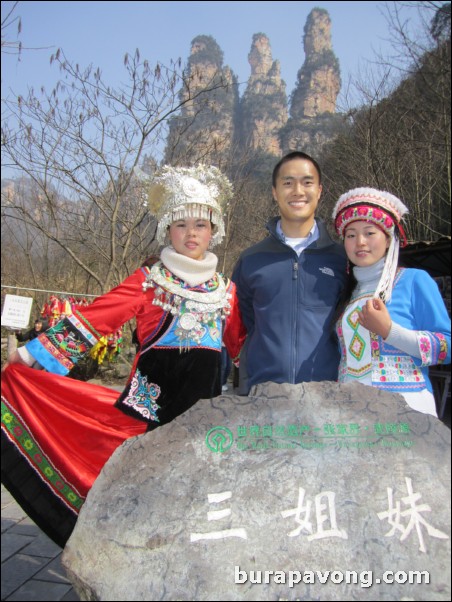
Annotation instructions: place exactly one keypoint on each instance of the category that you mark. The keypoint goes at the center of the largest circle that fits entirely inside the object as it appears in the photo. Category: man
(289, 284)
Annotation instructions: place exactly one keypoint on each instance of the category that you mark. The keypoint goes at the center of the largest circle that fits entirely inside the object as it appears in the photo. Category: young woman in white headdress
(393, 323)
(57, 433)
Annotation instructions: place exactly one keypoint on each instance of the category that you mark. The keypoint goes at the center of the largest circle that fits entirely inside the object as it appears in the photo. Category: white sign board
(16, 311)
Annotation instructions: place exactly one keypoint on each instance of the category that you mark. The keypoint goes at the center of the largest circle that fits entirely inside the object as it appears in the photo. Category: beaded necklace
(193, 309)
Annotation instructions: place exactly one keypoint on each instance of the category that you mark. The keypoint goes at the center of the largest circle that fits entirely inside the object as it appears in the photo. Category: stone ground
(31, 562)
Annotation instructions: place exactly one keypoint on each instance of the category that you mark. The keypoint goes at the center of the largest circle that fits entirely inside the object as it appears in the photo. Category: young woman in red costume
(57, 433)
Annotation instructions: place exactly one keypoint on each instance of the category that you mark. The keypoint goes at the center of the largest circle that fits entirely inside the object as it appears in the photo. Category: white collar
(298, 244)
(191, 271)
(313, 231)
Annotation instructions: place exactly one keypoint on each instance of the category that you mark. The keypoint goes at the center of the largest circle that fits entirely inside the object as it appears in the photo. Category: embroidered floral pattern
(425, 347)
(142, 397)
(395, 369)
(391, 369)
(443, 347)
(18, 432)
(66, 339)
(367, 213)
(431, 352)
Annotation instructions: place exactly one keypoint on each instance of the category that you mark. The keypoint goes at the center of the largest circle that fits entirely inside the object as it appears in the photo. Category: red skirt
(57, 434)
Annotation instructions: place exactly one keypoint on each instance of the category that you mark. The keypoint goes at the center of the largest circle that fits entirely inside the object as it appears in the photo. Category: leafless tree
(399, 138)
(79, 145)
(9, 20)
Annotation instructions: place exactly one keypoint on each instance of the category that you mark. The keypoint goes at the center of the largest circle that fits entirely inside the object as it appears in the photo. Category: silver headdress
(182, 192)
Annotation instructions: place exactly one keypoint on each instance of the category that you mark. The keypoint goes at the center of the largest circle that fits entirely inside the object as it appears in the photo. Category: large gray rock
(297, 492)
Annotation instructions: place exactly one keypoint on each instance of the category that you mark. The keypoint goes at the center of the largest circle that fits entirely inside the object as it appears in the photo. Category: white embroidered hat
(385, 211)
(181, 192)
(368, 204)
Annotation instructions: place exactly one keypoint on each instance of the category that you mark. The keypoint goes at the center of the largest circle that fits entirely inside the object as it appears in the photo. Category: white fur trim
(381, 198)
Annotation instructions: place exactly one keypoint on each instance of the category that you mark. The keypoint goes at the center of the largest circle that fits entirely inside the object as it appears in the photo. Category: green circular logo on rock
(219, 439)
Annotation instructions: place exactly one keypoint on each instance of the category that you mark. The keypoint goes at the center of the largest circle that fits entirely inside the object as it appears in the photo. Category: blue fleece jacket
(287, 303)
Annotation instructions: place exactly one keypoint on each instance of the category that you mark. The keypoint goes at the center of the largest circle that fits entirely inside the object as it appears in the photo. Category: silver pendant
(188, 321)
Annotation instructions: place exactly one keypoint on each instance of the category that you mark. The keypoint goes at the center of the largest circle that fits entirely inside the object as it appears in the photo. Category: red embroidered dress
(57, 433)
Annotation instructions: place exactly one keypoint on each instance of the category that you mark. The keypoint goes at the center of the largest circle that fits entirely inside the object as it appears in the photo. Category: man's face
(38, 326)
(297, 191)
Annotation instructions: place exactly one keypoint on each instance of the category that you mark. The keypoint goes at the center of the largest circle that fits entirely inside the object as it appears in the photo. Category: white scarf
(191, 271)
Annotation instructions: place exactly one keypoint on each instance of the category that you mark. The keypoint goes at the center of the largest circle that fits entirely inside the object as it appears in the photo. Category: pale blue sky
(100, 33)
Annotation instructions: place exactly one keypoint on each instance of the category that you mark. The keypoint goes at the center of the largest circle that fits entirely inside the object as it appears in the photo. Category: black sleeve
(22, 337)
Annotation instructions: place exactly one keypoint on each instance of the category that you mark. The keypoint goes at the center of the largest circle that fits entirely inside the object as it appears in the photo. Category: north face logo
(327, 271)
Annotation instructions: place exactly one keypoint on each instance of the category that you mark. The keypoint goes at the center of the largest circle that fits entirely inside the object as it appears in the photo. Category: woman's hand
(14, 358)
(375, 317)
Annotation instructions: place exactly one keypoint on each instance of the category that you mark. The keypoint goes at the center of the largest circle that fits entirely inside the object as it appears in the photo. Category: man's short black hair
(290, 157)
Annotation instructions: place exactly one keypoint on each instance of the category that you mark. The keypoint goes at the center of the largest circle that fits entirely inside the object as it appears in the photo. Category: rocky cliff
(215, 124)
(204, 130)
(319, 79)
(264, 104)
(313, 102)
